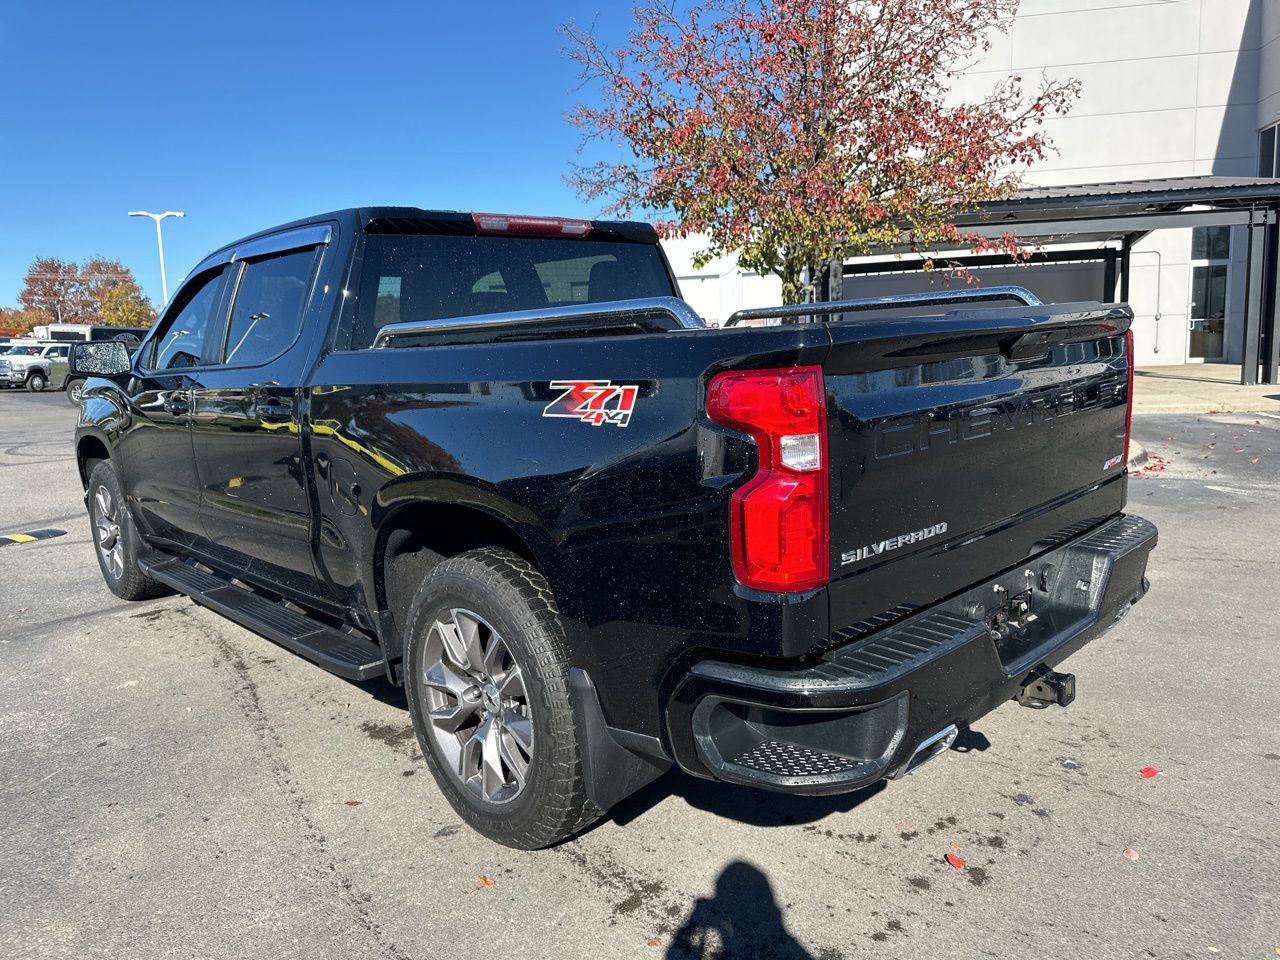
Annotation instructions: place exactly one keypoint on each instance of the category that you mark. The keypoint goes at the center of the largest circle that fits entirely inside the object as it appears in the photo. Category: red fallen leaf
(1254, 460)
(1148, 773)
(653, 941)
(1130, 853)
(352, 803)
(955, 861)
(485, 883)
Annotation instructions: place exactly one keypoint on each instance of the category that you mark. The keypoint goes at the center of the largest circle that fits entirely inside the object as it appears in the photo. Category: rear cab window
(413, 277)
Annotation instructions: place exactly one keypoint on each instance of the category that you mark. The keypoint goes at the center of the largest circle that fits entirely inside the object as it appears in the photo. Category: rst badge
(596, 402)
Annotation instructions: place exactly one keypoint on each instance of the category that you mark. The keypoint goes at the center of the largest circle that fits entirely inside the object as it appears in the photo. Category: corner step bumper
(349, 655)
(865, 710)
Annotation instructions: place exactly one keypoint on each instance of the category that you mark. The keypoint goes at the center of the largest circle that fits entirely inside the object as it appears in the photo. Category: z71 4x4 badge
(596, 402)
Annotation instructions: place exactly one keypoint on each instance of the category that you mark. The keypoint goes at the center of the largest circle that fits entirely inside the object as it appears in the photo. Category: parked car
(34, 365)
(495, 459)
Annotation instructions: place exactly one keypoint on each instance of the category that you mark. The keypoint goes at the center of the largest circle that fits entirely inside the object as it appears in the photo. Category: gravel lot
(175, 786)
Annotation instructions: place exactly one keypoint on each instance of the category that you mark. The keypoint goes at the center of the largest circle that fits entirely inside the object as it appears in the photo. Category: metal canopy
(1124, 211)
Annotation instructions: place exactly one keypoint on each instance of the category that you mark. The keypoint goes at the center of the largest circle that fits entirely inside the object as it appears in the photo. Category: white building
(1171, 88)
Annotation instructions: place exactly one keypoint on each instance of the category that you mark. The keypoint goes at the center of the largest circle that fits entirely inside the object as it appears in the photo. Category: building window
(1210, 279)
(1267, 152)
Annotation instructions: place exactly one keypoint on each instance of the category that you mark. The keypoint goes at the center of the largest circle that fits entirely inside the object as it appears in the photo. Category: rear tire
(75, 391)
(487, 680)
(116, 542)
(37, 382)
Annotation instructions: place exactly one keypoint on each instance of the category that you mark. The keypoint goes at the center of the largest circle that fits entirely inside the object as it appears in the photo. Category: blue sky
(245, 115)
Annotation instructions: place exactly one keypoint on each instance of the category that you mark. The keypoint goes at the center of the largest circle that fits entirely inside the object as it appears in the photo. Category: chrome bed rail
(670, 307)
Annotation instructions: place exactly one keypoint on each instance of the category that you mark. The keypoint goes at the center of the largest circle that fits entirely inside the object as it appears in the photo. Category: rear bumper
(865, 710)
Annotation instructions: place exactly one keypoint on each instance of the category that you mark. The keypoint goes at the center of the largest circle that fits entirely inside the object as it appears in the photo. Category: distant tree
(98, 291)
(791, 132)
(15, 321)
(123, 305)
(51, 290)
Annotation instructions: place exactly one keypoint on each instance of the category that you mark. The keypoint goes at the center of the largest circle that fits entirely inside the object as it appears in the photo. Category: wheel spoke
(492, 779)
(511, 686)
(516, 760)
(521, 730)
(452, 708)
(104, 502)
(469, 757)
(462, 643)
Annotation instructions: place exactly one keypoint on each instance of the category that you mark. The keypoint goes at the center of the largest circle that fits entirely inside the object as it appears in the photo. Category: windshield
(414, 277)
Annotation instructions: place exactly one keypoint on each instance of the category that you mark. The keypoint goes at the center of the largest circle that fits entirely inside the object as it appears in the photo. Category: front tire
(487, 680)
(115, 538)
(37, 382)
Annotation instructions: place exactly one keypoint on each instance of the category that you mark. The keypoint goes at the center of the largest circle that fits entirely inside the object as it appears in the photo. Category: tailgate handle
(1028, 346)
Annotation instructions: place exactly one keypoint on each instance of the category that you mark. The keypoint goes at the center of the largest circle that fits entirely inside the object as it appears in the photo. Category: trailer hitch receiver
(1043, 688)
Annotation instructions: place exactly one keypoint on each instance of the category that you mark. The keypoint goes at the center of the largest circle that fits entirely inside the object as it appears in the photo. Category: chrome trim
(929, 748)
(672, 307)
(313, 236)
(1021, 294)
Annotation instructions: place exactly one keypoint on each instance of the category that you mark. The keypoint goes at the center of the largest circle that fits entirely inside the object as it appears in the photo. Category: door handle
(177, 403)
(273, 410)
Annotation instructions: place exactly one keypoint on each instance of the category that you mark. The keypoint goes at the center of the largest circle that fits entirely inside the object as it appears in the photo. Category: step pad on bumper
(348, 655)
(784, 759)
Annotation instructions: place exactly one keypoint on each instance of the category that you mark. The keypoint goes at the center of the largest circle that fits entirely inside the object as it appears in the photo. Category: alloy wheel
(106, 531)
(477, 706)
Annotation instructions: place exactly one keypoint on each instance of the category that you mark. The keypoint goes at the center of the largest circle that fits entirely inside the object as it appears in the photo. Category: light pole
(157, 217)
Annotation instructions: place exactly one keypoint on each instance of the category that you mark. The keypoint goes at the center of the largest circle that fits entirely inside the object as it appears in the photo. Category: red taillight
(778, 521)
(530, 226)
(1128, 413)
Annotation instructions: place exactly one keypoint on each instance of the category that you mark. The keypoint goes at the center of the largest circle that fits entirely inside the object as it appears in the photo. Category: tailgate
(961, 444)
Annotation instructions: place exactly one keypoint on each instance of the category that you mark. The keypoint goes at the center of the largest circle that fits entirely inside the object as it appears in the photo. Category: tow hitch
(1044, 688)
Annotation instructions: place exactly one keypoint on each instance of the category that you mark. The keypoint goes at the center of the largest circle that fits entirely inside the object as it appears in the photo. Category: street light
(157, 217)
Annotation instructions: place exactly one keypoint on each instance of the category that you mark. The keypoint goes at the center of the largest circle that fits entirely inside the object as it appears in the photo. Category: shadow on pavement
(742, 920)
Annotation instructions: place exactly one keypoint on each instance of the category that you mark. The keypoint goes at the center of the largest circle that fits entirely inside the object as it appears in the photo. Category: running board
(348, 655)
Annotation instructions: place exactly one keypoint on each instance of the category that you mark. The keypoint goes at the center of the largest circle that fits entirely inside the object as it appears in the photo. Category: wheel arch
(417, 532)
(91, 450)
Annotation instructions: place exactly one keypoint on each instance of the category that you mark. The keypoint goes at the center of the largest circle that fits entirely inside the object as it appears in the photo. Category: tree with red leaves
(100, 290)
(793, 132)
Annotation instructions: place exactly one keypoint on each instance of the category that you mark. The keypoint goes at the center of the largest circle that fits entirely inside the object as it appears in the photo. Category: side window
(58, 352)
(268, 310)
(180, 341)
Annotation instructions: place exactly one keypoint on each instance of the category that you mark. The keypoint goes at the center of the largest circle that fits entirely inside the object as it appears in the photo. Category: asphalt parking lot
(175, 786)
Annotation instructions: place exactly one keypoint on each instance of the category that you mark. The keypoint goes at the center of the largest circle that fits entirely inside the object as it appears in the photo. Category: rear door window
(269, 305)
(427, 277)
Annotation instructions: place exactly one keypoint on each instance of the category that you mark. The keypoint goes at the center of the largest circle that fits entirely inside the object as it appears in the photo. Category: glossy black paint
(297, 474)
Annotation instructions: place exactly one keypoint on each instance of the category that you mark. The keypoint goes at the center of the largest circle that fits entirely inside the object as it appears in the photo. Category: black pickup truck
(496, 459)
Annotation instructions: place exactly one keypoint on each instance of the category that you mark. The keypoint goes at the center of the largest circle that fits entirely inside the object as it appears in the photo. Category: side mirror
(99, 358)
